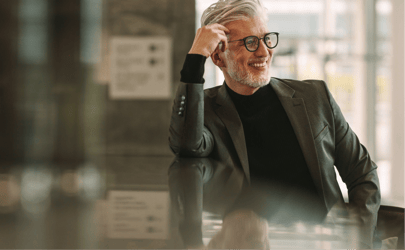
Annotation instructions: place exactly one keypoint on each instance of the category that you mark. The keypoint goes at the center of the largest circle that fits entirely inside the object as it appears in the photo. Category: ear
(217, 57)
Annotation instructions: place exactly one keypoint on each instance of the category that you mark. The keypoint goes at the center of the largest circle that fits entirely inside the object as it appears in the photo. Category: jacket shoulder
(307, 88)
(211, 92)
(304, 84)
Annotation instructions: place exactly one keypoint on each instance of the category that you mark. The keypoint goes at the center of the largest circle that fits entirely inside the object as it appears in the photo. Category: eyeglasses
(252, 42)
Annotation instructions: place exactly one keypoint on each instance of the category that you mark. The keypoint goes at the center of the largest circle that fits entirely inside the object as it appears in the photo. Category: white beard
(243, 77)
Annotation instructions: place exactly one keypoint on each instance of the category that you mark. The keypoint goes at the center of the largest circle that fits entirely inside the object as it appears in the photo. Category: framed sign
(140, 68)
(138, 214)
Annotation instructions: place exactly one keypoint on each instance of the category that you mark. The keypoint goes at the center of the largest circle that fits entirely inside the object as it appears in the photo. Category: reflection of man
(274, 130)
(242, 229)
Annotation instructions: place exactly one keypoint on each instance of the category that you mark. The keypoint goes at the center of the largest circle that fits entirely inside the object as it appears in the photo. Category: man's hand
(208, 38)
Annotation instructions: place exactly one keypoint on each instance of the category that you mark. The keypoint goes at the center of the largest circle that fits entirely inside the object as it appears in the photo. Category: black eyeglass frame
(244, 41)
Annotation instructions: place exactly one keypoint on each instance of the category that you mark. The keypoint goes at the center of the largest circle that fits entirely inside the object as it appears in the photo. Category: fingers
(208, 38)
(221, 27)
(223, 31)
(224, 41)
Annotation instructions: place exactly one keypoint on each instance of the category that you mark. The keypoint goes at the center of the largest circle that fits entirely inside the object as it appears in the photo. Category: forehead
(246, 27)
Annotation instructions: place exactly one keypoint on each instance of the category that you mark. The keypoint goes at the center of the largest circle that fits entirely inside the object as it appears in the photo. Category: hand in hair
(208, 38)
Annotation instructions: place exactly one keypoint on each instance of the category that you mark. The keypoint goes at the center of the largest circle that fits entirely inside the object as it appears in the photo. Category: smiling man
(247, 67)
(286, 133)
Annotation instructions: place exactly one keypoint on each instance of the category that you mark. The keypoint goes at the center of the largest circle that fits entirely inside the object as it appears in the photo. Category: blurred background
(82, 110)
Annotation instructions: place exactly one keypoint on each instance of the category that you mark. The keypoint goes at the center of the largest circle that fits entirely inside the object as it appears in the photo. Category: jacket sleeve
(359, 173)
(188, 137)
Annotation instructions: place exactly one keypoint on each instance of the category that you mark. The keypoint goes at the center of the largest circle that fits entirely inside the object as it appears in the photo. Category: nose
(263, 50)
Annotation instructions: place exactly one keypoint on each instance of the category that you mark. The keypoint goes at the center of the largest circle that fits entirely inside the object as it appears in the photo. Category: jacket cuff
(193, 69)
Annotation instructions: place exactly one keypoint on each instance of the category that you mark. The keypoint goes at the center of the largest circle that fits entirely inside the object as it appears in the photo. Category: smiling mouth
(258, 65)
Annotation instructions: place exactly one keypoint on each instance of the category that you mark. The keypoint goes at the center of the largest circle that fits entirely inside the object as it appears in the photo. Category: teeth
(258, 64)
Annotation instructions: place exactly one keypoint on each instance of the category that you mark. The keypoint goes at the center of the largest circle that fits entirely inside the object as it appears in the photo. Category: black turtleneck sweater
(276, 161)
(274, 153)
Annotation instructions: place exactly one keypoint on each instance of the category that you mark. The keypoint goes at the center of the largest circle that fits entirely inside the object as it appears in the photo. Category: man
(274, 130)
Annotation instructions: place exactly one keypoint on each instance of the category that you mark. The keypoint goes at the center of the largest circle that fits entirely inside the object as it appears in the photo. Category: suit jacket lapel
(297, 114)
(228, 114)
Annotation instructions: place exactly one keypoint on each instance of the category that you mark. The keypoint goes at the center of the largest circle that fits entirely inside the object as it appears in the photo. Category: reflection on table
(205, 194)
(154, 203)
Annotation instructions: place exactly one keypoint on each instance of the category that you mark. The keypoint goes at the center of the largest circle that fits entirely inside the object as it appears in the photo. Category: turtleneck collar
(258, 98)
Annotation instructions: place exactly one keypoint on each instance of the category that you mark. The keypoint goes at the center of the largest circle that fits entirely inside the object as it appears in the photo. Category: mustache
(262, 60)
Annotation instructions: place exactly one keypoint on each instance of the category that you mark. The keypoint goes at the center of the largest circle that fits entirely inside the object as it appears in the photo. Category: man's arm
(359, 173)
(187, 135)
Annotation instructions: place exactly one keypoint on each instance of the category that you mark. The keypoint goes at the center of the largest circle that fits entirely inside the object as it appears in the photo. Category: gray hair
(225, 11)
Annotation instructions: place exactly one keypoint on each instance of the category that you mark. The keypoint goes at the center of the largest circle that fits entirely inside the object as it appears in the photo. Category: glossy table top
(136, 202)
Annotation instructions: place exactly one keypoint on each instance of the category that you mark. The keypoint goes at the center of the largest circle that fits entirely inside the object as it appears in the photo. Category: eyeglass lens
(252, 42)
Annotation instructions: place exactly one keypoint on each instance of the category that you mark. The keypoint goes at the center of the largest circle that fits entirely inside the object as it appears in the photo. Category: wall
(398, 105)
(140, 127)
(53, 108)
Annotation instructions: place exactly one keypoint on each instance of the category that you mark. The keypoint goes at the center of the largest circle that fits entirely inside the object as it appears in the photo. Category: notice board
(140, 67)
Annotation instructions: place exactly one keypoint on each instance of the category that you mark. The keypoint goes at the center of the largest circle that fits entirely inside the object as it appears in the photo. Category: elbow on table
(186, 150)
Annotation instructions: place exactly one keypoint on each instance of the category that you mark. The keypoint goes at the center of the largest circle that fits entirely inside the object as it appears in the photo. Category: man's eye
(250, 41)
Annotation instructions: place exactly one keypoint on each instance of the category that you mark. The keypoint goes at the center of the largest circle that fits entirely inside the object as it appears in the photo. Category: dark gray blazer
(205, 123)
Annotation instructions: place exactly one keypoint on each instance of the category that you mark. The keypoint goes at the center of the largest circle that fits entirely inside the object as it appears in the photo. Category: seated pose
(273, 130)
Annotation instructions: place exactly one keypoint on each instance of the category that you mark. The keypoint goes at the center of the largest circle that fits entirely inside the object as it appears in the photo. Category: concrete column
(398, 106)
(359, 106)
(67, 80)
(370, 30)
(140, 127)
(365, 89)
